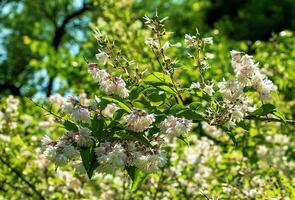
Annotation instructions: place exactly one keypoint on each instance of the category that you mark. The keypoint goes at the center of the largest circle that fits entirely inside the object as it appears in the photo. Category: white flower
(150, 162)
(84, 138)
(151, 42)
(195, 85)
(81, 114)
(208, 40)
(50, 152)
(57, 100)
(99, 75)
(110, 110)
(116, 86)
(175, 127)
(189, 40)
(139, 120)
(46, 140)
(70, 151)
(12, 104)
(45, 124)
(167, 45)
(103, 57)
(231, 90)
(211, 130)
(67, 108)
(209, 89)
(111, 157)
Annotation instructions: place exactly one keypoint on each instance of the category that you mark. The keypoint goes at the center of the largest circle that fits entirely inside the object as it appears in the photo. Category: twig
(268, 119)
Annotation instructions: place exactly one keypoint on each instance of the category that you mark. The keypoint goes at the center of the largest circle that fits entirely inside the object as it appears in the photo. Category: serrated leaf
(134, 136)
(70, 126)
(136, 175)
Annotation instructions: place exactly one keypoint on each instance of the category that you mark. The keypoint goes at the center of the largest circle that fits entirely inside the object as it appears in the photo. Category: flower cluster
(117, 155)
(66, 148)
(175, 127)
(248, 74)
(236, 103)
(139, 120)
(110, 85)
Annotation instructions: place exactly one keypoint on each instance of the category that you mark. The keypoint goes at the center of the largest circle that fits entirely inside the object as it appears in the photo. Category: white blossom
(209, 89)
(103, 57)
(116, 86)
(111, 157)
(139, 120)
(84, 138)
(57, 100)
(110, 110)
(175, 127)
(81, 114)
(189, 40)
(195, 85)
(208, 40)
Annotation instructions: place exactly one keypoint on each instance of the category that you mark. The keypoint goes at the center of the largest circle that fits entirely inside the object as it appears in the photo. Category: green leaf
(264, 110)
(119, 103)
(97, 125)
(136, 175)
(89, 160)
(158, 77)
(191, 114)
(70, 126)
(280, 115)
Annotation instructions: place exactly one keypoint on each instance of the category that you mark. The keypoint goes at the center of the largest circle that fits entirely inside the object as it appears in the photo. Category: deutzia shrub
(135, 116)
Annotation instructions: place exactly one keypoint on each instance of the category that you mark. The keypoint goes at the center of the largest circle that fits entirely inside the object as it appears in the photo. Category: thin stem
(267, 119)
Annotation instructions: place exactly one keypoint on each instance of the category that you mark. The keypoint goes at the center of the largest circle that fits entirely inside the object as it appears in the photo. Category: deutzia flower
(81, 114)
(151, 162)
(67, 108)
(189, 40)
(208, 40)
(116, 86)
(57, 100)
(110, 110)
(209, 89)
(195, 85)
(151, 42)
(103, 57)
(70, 151)
(99, 75)
(84, 138)
(175, 127)
(167, 45)
(139, 120)
(111, 157)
